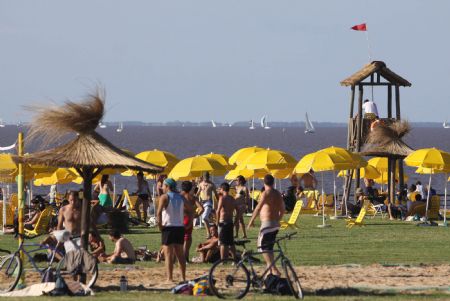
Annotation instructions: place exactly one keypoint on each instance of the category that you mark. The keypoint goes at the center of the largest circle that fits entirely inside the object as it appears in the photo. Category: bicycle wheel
(291, 276)
(10, 271)
(90, 277)
(229, 280)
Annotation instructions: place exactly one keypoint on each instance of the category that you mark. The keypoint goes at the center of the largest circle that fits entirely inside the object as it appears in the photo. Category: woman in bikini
(104, 186)
(241, 199)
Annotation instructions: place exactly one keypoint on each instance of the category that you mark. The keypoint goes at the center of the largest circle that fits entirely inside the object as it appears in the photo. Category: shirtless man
(69, 217)
(206, 189)
(225, 210)
(123, 251)
(270, 210)
(190, 209)
(242, 198)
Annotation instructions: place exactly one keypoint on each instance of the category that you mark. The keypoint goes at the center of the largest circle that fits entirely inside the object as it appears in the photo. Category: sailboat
(213, 124)
(446, 125)
(252, 125)
(264, 123)
(101, 125)
(2, 124)
(120, 128)
(309, 127)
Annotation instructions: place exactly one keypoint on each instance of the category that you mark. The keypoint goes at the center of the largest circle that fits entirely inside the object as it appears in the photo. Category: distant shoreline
(243, 124)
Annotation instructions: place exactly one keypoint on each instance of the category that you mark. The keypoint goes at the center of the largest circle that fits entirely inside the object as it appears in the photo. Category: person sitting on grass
(209, 250)
(97, 245)
(123, 250)
(417, 207)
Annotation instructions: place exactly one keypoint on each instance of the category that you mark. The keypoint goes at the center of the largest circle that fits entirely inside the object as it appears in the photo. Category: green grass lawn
(380, 241)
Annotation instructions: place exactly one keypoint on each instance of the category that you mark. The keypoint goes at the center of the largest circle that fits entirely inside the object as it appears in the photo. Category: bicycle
(11, 266)
(231, 279)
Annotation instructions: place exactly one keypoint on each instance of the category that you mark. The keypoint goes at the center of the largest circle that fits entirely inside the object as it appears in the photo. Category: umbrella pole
(335, 197)
(253, 187)
(4, 193)
(445, 200)
(428, 196)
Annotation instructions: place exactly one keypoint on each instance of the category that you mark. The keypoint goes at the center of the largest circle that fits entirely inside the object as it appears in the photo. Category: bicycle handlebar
(287, 236)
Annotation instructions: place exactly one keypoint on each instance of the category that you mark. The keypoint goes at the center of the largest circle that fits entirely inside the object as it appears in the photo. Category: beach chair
(311, 197)
(292, 222)
(359, 221)
(130, 201)
(373, 210)
(42, 223)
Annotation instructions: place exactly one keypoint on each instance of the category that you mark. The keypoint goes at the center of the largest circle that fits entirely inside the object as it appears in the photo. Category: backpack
(201, 288)
(276, 285)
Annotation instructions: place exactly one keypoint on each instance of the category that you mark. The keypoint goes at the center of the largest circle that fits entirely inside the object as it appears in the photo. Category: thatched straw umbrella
(386, 141)
(88, 152)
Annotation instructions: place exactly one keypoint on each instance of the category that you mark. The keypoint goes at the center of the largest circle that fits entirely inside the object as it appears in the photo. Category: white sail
(213, 124)
(101, 125)
(446, 125)
(309, 127)
(263, 121)
(2, 124)
(252, 125)
(120, 128)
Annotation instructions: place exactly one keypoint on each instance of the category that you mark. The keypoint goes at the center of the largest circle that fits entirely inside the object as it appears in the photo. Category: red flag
(360, 27)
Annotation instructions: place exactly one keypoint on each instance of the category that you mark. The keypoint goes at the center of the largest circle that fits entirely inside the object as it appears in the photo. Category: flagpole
(368, 45)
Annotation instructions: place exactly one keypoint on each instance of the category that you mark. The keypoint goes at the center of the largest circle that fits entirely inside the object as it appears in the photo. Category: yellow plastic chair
(359, 221)
(292, 222)
(42, 223)
(131, 201)
(14, 200)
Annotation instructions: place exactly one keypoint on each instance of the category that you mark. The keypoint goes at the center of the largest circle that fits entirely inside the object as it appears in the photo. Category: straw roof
(88, 149)
(386, 141)
(372, 68)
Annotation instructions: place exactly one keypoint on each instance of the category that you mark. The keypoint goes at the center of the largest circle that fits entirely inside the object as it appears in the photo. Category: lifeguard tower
(374, 74)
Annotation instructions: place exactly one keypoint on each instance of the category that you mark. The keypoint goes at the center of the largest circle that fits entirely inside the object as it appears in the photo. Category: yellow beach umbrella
(383, 178)
(60, 176)
(240, 155)
(429, 158)
(432, 158)
(246, 173)
(270, 159)
(7, 163)
(222, 159)
(368, 172)
(380, 163)
(282, 173)
(159, 158)
(358, 160)
(193, 167)
(322, 161)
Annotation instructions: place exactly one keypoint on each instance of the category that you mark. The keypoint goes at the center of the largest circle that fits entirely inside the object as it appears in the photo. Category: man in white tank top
(170, 222)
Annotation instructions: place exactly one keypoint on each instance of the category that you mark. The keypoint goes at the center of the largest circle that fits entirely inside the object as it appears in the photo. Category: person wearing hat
(170, 222)
(354, 209)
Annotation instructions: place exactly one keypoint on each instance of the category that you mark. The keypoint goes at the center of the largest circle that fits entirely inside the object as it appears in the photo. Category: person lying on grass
(123, 252)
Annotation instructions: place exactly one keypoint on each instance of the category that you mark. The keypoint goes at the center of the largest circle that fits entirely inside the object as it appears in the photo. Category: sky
(224, 60)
